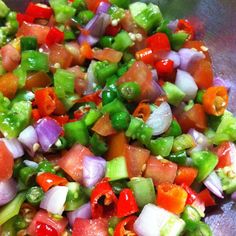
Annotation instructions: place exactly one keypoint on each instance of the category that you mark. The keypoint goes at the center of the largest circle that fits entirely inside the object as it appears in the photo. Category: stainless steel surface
(216, 22)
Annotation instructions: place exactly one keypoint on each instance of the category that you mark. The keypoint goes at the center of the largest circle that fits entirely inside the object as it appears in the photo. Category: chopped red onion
(87, 38)
(83, 212)
(54, 200)
(172, 55)
(29, 138)
(8, 190)
(185, 82)
(189, 56)
(48, 131)
(160, 119)
(213, 183)
(103, 7)
(91, 78)
(154, 75)
(14, 146)
(173, 25)
(233, 196)
(202, 142)
(94, 169)
(154, 92)
(218, 81)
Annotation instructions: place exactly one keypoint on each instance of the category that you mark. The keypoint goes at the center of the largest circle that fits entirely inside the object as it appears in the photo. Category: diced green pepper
(98, 145)
(116, 12)
(120, 120)
(63, 12)
(27, 175)
(163, 28)
(8, 228)
(178, 157)
(199, 96)
(121, 3)
(201, 229)
(4, 10)
(84, 17)
(34, 195)
(108, 96)
(183, 142)
(122, 41)
(144, 191)
(113, 107)
(46, 166)
(79, 4)
(21, 73)
(136, 8)
(106, 41)
(162, 146)
(174, 129)
(174, 94)
(205, 161)
(118, 186)
(23, 95)
(130, 90)
(4, 103)
(177, 40)
(117, 169)
(92, 116)
(28, 43)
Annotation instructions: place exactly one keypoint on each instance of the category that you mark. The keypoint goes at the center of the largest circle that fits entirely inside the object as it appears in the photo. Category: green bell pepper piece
(98, 145)
(8, 228)
(28, 43)
(183, 142)
(23, 95)
(143, 189)
(12, 208)
(76, 132)
(177, 40)
(106, 41)
(162, 146)
(63, 12)
(113, 107)
(122, 41)
(121, 3)
(163, 28)
(136, 8)
(79, 4)
(21, 73)
(4, 103)
(4, 10)
(116, 12)
(34, 61)
(174, 95)
(46, 166)
(174, 129)
(108, 96)
(205, 161)
(120, 120)
(199, 96)
(116, 169)
(201, 229)
(92, 116)
(130, 90)
(178, 157)
(69, 35)
(84, 17)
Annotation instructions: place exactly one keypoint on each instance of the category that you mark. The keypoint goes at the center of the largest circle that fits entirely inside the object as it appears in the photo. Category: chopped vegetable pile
(111, 122)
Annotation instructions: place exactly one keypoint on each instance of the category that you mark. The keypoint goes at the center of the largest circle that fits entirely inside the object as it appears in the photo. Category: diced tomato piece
(194, 118)
(61, 120)
(192, 195)
(10, 57)
(72, 161)
(38, 227)
(186, 175)
(108, 54)
(185, 25)
(6, 162)
(158, 42)
(86, 50)
(205, 196)
(24, 18)
(116, 145)
(93, 4)
(93, 97)
(136, 159)
(165, 68)
(8, 85)
(161, 171)
(171, 197)
(94, 227)
(103, 126)
(54, 36)
(37, 80)
(39, 11)
(36, 115)
(38, 31)
(226, 153)
(77, 57)
(112, 30)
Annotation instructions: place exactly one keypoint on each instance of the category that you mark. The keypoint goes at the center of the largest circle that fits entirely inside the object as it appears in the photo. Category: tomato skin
(37, 80)
(6, 162)
(125, 225)
(72, 161)
(42, 217)
(185, 175)
(136, 158)
(8, 85)
(93, 227)
(205, 196)
(108, 54)
(10, 57)
(74, 49)
(161, 171)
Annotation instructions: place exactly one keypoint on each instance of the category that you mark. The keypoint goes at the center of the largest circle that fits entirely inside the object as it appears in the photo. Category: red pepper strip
(103, 200)
(23, 17)
(126, 203)
(158, 42)
(42, 229)
(45, 99)
(145, 55)
(206, 197)
(86, 50)
(165, 68)
(54, 36)
(94, 97)
(192, 195)
(36, 114)
(47, 180)
(61, 120)
(126, 227)
(185, 25)
(39, 11)
(112, 30)
(142, 111)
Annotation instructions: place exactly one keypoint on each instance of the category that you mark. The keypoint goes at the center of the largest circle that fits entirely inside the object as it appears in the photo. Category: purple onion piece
(14, 146)
(218, 81)
(48, 131)
(87, 38)
(103, 7)
(154, 75)
(155, 92)
(93, 170)
(233, 196)
(83, 212)
(189, 56)
(173, 25)
(8, 190)
(29, 138)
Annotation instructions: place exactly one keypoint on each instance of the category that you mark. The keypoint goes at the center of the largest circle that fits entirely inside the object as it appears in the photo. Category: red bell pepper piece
(192, 195)
(45, 99)
(94, 97)
(36, 114)
(47, 180)
(112, 30)
(23, 17)
(61, 120)
(126, 227)
(145, 55)
(126, 203)
(43, 229)
(158, 42)
(39, 11)
(185, 25)
(186, 175)
(206, 197)
(54, 36)
(103, 200)
(165, 68)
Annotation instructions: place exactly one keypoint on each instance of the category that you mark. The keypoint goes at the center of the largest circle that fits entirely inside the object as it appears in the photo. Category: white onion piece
(213, 183)
(31, 164)
(160, 119)
(185, 82)
(8, 190)
(83, 212)
(14, 146)
(94, 169)
(189, 56)
(29, 138)
(54, 200)
(91, 78)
